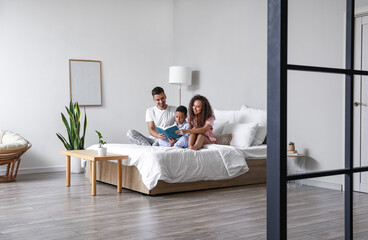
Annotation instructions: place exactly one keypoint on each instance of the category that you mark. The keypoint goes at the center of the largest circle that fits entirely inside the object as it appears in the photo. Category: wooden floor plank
(39, 206)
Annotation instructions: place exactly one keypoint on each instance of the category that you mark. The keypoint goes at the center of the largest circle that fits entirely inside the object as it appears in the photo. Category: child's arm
(184, 130)
(183, 140)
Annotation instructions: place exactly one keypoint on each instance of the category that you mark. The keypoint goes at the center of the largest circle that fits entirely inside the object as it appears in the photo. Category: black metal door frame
(277, 68)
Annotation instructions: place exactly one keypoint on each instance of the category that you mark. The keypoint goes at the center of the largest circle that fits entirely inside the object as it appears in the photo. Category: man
(161, 115)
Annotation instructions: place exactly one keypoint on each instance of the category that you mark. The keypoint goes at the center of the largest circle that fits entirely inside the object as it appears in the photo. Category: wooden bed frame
(107, 173)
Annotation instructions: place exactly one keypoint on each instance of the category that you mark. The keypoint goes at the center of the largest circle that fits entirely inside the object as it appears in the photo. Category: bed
(158, 170)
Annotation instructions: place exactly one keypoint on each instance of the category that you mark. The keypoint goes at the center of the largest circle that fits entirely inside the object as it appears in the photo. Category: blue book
(169, 132)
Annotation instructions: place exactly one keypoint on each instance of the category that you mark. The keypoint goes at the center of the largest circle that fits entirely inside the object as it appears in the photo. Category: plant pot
(291, 147)
(76, 166)
(102, 151)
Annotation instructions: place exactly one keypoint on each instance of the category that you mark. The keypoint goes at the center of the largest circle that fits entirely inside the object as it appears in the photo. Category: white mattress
(213, 162)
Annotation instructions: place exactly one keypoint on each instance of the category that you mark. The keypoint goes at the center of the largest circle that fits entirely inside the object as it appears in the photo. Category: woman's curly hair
(206, 112)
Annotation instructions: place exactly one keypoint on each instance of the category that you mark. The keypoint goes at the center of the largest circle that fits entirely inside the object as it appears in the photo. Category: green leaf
(66, 126)
(71, 105)
(75, 144)
(81, 147)
(84, 128)
(62, 139)
(99, 134)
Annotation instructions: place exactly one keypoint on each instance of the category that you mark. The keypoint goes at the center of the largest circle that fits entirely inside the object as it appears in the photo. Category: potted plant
(101, 149)
(291, 146)
(73, 127)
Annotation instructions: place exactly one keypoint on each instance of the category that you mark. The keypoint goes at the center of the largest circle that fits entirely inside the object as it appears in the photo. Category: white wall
(316, 101)
(132, 38)
(226, 41)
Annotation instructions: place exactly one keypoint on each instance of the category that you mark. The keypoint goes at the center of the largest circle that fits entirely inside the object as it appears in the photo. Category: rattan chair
(11, 158)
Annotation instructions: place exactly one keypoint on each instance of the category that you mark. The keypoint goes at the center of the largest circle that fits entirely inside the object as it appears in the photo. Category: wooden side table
(92, 156)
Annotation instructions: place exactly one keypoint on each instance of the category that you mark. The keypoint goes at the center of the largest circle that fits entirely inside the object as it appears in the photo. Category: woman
(201, 120)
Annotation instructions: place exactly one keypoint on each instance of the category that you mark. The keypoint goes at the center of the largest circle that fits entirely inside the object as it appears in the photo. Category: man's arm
(152, 131)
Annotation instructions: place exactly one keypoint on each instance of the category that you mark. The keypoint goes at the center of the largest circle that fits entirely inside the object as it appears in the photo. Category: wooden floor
(39, 206)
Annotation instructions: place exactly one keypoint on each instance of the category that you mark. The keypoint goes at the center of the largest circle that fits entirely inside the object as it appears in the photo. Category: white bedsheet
(213, 162)
(255, 152)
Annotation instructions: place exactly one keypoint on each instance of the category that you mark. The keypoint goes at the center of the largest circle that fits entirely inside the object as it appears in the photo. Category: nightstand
(295, 164)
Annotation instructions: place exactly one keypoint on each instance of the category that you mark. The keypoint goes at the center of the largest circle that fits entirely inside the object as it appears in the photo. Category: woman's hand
(181, 131)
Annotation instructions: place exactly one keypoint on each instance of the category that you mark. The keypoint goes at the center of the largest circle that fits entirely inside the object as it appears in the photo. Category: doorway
(360, 147)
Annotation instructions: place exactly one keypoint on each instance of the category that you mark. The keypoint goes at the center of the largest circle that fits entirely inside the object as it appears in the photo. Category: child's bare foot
(193, 148)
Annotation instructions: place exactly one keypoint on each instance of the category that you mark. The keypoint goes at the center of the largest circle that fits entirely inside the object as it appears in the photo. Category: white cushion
(251, 115)
(11, 141)
(242, 133)
(223, 139)
(225, 116)
(2, 132)
(218, 127)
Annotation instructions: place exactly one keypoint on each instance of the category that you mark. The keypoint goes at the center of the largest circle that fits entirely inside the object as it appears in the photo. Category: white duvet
(213, 162)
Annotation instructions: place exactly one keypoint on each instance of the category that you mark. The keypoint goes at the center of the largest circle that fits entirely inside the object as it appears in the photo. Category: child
(201, 120)
(180, 116)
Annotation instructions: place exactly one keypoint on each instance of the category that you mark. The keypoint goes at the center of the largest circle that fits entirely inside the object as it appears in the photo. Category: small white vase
(101, 151)
(76, 166)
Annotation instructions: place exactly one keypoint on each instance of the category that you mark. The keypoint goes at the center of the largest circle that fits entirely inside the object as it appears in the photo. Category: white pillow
(218, 127)
(242, 133)
(251, 115)
(248, 114)
(225, 116)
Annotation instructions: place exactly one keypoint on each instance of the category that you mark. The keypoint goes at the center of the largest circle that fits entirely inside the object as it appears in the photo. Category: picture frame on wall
(85, 82)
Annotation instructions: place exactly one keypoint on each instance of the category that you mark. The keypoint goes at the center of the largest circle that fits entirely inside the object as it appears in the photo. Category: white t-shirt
(162, 118)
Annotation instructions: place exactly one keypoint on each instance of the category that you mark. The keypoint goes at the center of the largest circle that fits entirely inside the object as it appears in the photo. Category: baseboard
(308, 182)
(320, 184)
(41, 170)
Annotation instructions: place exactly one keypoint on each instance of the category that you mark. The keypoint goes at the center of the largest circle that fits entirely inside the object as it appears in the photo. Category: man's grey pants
(139, 139)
